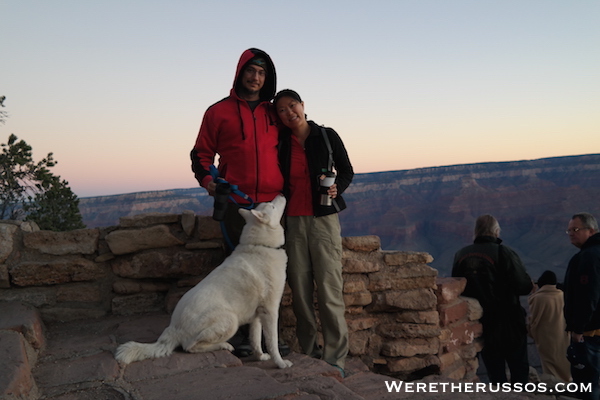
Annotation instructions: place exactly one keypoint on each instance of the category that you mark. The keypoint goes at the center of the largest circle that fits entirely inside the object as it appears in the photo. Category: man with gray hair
(582, 300)
(496, 277)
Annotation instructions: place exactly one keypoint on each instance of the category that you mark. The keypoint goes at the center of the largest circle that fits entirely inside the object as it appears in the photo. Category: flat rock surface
(78, 364)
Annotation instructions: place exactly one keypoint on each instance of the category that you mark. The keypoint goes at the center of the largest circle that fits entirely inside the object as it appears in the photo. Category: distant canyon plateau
(432, 209)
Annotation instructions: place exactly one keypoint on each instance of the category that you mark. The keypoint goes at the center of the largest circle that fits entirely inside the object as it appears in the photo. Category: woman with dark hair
(308, 153)
(547, 326)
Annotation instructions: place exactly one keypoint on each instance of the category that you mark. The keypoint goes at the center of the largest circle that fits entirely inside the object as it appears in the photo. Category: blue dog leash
(214, 172)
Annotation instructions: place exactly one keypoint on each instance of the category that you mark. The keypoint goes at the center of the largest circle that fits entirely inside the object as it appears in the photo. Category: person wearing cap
(582, 298)
(547, 326)
(241, 129)
(313, 233)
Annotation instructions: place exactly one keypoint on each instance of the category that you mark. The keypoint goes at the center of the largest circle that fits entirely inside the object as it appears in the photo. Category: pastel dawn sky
(116, 89)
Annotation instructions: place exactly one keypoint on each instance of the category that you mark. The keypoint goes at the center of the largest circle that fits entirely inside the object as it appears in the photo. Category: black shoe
(284, 349)
(244, 349)
(317, 352)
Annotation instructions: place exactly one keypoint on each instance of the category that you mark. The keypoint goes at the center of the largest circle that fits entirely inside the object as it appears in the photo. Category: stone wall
(403, 320)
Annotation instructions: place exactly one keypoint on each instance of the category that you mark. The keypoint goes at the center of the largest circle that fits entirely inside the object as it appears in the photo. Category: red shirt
(300, 202)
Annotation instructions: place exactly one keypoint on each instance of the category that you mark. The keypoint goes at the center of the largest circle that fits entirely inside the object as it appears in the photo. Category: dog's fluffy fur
(246, 288)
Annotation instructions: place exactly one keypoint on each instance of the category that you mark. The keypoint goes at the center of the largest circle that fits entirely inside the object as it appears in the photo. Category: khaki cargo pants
(314, 248)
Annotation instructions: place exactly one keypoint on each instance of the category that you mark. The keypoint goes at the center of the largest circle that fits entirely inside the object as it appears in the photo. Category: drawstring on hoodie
(241, 120)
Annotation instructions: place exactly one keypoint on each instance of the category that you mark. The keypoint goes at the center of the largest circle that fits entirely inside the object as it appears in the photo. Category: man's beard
(245, 92)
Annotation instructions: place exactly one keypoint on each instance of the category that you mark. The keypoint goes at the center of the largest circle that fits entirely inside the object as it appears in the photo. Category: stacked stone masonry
(403, 320)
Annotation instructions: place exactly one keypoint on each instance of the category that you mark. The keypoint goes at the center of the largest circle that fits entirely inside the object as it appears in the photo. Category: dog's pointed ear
(261, 216)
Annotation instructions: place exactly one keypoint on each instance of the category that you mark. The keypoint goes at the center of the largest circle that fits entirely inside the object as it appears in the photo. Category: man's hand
(576, 337)
(210, 188)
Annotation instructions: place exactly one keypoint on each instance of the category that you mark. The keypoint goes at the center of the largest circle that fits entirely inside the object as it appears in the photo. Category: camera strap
(330, 162)
(328, 144)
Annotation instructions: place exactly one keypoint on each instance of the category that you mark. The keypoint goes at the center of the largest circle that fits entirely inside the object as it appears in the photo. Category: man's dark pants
(495, 361)
(591, 373)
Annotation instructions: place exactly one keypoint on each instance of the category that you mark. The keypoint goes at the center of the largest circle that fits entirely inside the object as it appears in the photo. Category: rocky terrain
(433, 209)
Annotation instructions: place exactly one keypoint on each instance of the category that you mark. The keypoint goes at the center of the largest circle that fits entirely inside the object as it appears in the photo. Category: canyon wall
(433, 210)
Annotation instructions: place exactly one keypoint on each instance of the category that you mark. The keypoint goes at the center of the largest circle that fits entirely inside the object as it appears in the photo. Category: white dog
(246, 288)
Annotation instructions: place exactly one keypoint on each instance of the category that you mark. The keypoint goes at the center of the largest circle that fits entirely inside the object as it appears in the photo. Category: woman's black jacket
(317, 156)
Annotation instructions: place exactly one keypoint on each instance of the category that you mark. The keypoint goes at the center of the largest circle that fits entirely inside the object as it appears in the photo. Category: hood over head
(264, 60)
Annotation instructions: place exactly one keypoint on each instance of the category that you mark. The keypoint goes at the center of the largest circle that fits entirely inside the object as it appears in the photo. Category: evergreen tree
(30, 187)
(56, 208)
(3, 114)
(20, 177)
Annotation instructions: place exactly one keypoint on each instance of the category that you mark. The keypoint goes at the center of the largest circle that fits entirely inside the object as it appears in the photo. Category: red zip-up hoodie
(245, 141)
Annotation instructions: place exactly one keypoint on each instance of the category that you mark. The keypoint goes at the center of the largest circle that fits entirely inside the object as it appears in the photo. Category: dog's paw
(227, 346)
(285, 364)
(263, 357)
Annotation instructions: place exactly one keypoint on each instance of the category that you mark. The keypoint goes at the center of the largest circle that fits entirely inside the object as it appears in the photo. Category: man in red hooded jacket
(241, 129)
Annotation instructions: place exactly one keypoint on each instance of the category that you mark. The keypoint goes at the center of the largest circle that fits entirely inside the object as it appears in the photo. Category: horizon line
(370, 173)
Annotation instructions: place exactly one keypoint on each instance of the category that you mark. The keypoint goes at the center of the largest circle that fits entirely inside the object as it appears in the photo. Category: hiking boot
(244, 349)
(284, 349)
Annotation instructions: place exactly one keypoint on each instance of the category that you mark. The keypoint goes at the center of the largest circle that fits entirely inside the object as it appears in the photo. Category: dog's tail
(134, 351)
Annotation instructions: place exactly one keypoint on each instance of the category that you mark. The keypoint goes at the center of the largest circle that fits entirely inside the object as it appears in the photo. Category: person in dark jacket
(496, 277)
(313, 233)
(241, 129)
(582, 298)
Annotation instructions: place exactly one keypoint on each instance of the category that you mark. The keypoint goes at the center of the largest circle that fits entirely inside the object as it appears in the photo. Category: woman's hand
(332, 191)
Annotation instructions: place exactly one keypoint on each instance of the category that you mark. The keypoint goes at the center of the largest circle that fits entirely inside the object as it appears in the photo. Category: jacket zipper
(241, 120)
(257, 153)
